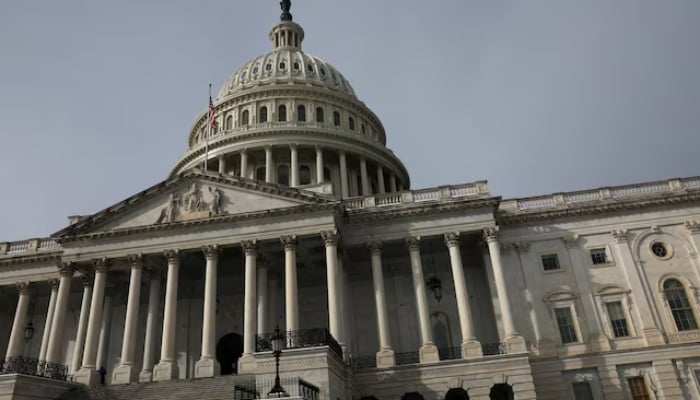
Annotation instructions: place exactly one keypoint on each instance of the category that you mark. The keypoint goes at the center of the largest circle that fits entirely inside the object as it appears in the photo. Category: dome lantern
(286, 34)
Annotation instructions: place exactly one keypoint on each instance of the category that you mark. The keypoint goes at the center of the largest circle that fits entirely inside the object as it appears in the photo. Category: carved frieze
(191, 205)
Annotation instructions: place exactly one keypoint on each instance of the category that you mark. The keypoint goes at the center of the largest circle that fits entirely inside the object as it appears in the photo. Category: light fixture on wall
(29, 331)
(434, 284)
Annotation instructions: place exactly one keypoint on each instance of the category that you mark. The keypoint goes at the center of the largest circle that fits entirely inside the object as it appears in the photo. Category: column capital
(211, 252)
(620, 235)
(318, 147)
(24, 288)
(66, 268)
(491, 233)
(53, 283)
(101, 264)
(692, 226)
(243, 151)
(293, 146)
(330, 238)
(375, 246)
(570, 241)
(135, 260)
(452, 239)
(87, 279)
(289, 242)
(250, 247)
(172, 255)
(521, 247)
(268, 147)
(413, 242)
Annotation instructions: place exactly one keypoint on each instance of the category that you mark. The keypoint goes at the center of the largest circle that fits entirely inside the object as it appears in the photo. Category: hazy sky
(97, 97)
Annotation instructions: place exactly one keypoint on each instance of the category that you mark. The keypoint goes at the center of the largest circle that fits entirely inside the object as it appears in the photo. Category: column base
(654, 337)
(428, 353)
(165, 371)
(87, 376)
(600, 343)
(145, 376)
(386, 358)
(247, 364)
(472, 349)
(124, 374)
(515, 344)
(546, 348)
(206, 368)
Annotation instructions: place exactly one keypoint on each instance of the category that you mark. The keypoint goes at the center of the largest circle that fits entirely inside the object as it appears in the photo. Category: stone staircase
(218, 388)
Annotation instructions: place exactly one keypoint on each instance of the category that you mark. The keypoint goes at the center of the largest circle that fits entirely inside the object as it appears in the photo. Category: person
(103, 374)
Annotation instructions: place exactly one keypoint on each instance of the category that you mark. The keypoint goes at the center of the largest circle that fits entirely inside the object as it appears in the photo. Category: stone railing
(32, 366)
(28, 246)
(618, 193)
(468, 190)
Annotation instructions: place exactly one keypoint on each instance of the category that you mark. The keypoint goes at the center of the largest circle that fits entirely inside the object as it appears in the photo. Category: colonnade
(87, 358)
(352, 182)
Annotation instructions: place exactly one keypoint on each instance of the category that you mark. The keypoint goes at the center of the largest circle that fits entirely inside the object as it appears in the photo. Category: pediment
(193, 197)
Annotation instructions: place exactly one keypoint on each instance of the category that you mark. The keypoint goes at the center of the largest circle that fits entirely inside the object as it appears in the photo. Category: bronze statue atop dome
(286, 5)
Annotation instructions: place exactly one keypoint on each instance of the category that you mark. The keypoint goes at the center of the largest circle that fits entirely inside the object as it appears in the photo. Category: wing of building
(289, 212)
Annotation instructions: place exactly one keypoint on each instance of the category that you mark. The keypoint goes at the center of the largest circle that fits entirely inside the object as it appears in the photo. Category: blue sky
(96, 98)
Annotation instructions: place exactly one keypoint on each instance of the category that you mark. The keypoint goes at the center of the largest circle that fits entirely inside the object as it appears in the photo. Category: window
(661, 250)
(263, 114)
(680, 306)
(638, 388)
(229, 122)
(296, 66)
(260, 173)
(363, 129)
(301, 113)
(304, 175)
(336, 118)
(283, 65)
(268, 67)
(319, 114)
(550, 262)
(310, 67)
(283, 175)
(617, 319)
(245, 117)
(599, 256)
(282, 113)
(582, 391)
(565, 322)
(351, 123)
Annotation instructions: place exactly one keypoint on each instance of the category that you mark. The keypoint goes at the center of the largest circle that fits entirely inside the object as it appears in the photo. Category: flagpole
(206, 141)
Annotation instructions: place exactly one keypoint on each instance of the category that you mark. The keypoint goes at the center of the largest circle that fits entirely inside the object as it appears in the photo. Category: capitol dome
(292, 119)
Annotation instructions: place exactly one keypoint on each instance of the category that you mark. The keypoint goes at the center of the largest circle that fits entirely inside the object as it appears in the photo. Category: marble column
(342, 307)
(53, 284)
(16, 344)
(126, 372)
(294, 165)
(291, 301)
(247, 361)
(208, 366)
(513, 341)
(385, 355)
(105, 329)
(428, 352)
(55, 348)
(87, 281)
(222, 164)
(381, 187)
(269, 165)
(319, 164)
(167, 368)
(244, 163)
(149, 345)
(330, 240)
(262, 297)
(364, 179)
(470, 345)
(87, 374)
(392, 183)
(344, 188)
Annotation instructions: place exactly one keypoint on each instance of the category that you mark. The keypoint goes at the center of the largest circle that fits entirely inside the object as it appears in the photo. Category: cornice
(33, 258)
(404, 211)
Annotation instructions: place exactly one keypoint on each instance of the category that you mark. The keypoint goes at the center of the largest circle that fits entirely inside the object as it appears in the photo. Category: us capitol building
(304, 220)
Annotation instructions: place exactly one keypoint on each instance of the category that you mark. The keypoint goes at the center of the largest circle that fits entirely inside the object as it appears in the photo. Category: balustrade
(304, 338)
(295, 387)
(32, 366)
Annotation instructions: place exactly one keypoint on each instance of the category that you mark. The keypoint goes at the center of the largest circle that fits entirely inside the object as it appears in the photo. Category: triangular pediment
(192, 197)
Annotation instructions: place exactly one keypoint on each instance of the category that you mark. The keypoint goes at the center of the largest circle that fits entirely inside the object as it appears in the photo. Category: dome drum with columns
(292, 119)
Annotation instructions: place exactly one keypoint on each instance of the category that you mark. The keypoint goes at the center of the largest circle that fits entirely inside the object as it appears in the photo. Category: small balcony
(301, 339)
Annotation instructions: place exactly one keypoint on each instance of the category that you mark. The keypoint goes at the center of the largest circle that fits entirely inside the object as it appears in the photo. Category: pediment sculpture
(191, 205)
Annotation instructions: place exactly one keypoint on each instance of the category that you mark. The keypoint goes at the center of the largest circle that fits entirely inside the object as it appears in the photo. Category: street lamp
(277, 345)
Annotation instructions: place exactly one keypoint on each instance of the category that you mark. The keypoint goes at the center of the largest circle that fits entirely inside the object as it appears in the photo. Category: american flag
(212, 120)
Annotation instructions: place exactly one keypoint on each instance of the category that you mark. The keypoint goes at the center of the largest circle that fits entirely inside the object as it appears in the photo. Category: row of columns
(294, 180)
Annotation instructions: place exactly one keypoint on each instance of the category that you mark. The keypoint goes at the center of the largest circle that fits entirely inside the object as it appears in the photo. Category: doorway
(228, 350)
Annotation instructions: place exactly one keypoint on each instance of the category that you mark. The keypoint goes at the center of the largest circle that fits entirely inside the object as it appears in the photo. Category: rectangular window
(582, 391)
(550, 262)
(599, 256)
(566, 325)
(638, 388)
(617, 319)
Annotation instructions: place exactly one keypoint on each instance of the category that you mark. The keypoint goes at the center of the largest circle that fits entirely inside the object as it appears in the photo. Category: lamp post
(277, 345)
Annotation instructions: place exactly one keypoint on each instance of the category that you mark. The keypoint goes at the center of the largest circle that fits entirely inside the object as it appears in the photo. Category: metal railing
(450, 353)
(32, 366)
(260, 389)
(364, 362)
(492, 349)
(410, 357)
(300, 339)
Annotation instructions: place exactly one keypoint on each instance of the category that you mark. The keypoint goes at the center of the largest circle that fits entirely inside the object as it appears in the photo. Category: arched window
(351, 123)
(301, 113)
(457, 394)
(412, 396)
(336, 118)
(304, 175)
(260, 173)
(245, 117)
(282, 113)
(501, 391)
(283, 175)
(263, 114)
(680, 306)
(319, 114)
(229, 122)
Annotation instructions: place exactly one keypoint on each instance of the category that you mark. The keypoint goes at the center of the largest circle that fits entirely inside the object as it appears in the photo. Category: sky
(535, 96)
